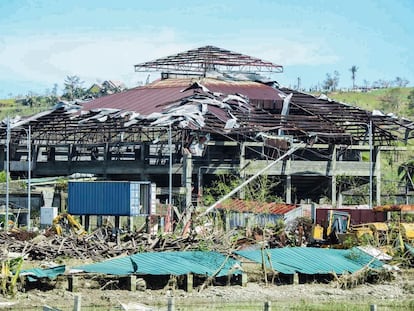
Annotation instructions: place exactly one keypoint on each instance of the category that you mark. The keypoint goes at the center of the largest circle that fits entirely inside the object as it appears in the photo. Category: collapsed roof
(233, 105)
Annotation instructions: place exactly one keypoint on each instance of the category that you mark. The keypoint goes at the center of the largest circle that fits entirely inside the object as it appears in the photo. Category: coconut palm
(353, 71)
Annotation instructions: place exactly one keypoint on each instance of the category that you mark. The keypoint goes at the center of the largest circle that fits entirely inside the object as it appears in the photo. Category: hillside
(399, 101)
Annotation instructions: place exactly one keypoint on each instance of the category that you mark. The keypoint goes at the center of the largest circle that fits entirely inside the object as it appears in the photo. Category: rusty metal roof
(255, 207)
(209, 58)
(155, 96)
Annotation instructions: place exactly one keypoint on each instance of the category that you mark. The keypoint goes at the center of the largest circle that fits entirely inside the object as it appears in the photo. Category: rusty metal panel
(358, 216)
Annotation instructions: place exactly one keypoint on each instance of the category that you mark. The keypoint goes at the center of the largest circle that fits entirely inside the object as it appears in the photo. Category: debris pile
(103, 243)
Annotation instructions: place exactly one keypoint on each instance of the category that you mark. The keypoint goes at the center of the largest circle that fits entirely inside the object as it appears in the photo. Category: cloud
(49, 59)
(94, 56)
(292, 53)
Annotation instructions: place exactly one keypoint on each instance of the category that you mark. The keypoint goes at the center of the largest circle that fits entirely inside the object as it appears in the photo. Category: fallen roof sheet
(166, 263)
(36, 274)
(308, 260)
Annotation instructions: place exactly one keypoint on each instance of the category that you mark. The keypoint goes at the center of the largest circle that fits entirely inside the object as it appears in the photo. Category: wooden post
(77, 305)
(267, 306)
(189, 282)
(72, 283)
(373, 308)
(170, 304)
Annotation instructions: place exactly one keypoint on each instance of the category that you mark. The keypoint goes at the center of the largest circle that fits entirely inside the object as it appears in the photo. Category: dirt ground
(210, 298)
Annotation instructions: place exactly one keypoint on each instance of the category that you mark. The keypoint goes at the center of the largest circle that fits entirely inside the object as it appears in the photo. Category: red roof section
(243, 206)
(155, 96)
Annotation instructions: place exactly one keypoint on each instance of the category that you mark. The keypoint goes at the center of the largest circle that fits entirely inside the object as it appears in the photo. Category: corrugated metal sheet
(244, 206)
(117, 198)
(155, 96)
(241, 219)
(358, 216)
(36, 274)
(166, 263)
(308, 260)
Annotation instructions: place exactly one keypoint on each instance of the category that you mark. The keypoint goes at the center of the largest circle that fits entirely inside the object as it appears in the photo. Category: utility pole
(298, 83)
(6, 220)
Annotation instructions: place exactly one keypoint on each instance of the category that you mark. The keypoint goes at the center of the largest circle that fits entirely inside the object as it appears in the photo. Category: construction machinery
(67, 221)
(339, 233)
(338, 225)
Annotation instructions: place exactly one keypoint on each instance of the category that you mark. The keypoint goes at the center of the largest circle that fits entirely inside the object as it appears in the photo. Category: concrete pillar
(242, 193)
(333, 191)
(189, 283)
(131, 283)
(333, 178)
(295, 279)
(288, 189)
(187, 178)
(244, 279)
(378, 176)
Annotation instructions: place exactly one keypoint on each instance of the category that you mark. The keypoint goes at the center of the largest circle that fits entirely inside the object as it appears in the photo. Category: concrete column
(295, 279)
(242, 193)
(187, 178)
(288, 189)
(244, 279)
(377, 174)
(131, 283)
(288, 182)
(333, 191)
(189, 283)
(333, 178)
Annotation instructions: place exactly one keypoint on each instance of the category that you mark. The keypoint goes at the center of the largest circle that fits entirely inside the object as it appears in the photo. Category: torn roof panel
(308, 260)
(155, 96)
(166, 263)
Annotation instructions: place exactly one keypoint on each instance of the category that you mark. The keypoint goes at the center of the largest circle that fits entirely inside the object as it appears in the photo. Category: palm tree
(353, 71)
(406, 172)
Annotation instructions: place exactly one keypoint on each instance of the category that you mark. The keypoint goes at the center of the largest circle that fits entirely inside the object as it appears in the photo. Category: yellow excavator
(66, 220)
(339, 232)
(338, 225)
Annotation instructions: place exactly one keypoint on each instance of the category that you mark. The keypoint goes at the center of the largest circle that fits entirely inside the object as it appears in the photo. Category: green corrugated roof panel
(166, 263)
(36, 273)
(308, 260)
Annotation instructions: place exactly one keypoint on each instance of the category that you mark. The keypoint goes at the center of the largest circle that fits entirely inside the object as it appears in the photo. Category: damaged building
(211, 112)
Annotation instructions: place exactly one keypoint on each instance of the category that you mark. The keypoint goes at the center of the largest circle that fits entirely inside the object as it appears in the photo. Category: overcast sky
(42, 42)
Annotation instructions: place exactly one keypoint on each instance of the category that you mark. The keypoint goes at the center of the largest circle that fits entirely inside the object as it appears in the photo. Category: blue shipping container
(115, 198)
